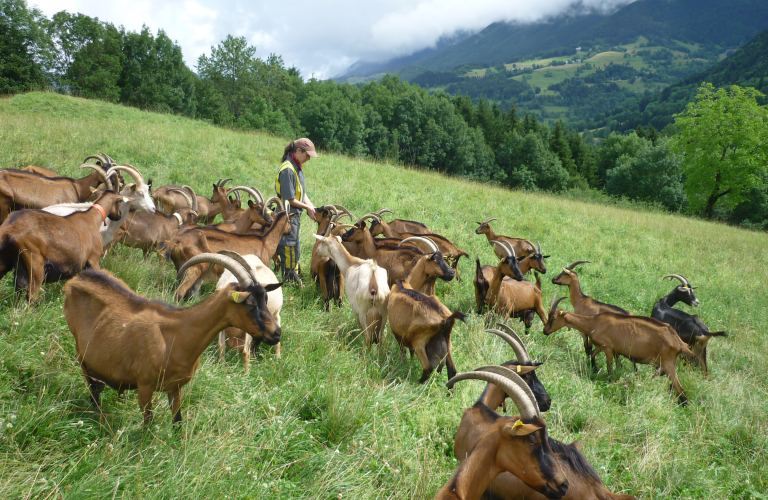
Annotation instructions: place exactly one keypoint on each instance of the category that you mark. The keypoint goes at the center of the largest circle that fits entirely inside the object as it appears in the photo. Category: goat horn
(678, 276)
(275, 199)
(101, 172)
(343, 209)
(109, 158)
(555, 303)
(384, 210)
(532, 246)
(515, 336)
(240, 260)
(367, 216)
(538, 243)
(503, 247)
(431, 244)
(330, 208)
(527, 407)
(231, 190)
(345, 214)
(347, 225)
(505, 372)
(193, 195)
(185, 194)
(511, 248)
(130, 170)
(223, 182)
(255, 194)
(570, 268)
(489, 219)
(522, 355)
(224, 261)
(98, 158)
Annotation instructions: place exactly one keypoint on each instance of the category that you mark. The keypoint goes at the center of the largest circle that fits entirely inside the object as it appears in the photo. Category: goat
(150, 232)
(365, 284)
(323, 269)
(640, 338)
(45, 172)
(689, 327)
(228, 212)
(46, 247)
(127, 341)
(518, 444)
(235, 337)
(521, 246)
(422, 324)
(583, 481)
(138, 193)
(506, 292)
(19, 189)
(404, 226)
(450, 252)
(397, 260)
(583, 304)
(257, 214)
(186, 244)
(170, 200)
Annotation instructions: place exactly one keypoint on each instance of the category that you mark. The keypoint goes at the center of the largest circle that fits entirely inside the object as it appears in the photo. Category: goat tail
(456, 315)
(686, 350)
(478, 270)
(717, 334)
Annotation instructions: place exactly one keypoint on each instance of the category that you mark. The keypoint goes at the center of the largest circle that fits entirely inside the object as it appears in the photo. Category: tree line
(388, 120)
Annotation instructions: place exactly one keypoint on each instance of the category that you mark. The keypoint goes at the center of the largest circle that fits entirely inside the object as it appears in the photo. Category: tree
(654, 175)
(23, 44)
(232, 69)
(724, 136)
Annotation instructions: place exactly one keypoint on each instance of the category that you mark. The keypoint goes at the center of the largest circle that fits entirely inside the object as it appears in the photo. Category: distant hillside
(747, 67)
(694, 21)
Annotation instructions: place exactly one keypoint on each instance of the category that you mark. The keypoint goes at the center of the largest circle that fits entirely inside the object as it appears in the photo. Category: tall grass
(333, 420)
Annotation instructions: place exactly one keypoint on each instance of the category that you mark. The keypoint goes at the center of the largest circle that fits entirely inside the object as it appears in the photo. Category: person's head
(302, 149)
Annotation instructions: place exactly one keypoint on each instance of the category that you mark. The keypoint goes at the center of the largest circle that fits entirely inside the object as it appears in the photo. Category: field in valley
(332, 420)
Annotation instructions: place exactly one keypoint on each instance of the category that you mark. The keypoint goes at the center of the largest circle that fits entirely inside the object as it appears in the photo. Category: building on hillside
(578, 49)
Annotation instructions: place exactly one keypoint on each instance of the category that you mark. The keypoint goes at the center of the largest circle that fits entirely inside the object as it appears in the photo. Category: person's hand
(311, 213)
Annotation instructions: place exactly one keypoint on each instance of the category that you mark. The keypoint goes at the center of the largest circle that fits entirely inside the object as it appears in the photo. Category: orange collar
(101, 210)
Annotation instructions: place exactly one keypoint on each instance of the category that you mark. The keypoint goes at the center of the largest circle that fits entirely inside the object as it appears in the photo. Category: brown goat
(583, 481)
(519, 445)
(424, 325)
(450, 252)
(506, 293)
(127, 341)
(404, 226)
(20, 189)
(151, 231)
(257, 214)
(582, 304)
(45, 172)
(170, 199)
(398, 261)
(642, 339)
(45, 247)
(188, 243)
(323, 269)
(521, 246)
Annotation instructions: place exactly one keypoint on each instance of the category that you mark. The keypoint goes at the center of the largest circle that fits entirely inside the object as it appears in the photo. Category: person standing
(290, 187)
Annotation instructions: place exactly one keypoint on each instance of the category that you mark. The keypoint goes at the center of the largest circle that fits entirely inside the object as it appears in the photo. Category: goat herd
(127, 341)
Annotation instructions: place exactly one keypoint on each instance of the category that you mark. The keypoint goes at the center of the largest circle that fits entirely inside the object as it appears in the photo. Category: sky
(319, 38)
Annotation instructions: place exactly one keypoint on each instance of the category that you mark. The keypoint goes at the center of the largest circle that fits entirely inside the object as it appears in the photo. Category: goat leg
(222, 345)
(426, 367)
(95, 387)
(174, 401)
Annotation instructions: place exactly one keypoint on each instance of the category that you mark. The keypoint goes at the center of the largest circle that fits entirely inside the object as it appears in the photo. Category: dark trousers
(289, 249)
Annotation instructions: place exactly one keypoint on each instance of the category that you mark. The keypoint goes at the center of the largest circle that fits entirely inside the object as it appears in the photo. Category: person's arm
(306, 206)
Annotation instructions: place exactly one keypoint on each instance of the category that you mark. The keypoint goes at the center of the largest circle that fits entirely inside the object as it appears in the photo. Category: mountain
(716, 22)
(747, 67)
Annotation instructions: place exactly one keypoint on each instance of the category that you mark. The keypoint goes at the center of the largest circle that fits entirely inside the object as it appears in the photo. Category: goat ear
(272, 286)
(93, 189)
(127, 199)
(545, 256)
(250, 203)
(522, 369)
(319, 237)
(131, 186)
(240, 297)
(519, 429)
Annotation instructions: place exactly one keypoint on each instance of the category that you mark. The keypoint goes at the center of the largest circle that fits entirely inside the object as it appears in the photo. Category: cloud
(320, 38)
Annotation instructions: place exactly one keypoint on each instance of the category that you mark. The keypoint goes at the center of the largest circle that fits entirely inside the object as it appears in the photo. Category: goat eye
(531, 438)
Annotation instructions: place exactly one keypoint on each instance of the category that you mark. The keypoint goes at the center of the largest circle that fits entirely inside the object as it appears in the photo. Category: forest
(388, 120)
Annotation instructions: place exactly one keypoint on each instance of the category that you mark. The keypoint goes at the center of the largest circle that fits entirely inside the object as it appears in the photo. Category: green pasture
(330, 419)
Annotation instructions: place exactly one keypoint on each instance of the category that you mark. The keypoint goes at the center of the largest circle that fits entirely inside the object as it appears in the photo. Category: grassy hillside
(331, 420)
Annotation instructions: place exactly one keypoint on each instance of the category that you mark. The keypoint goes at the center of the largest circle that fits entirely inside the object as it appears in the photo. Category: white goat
(138, 195)
(234, 337)
(365, 284)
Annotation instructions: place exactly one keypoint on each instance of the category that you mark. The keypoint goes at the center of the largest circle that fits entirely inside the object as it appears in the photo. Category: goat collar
(101, 211)
(178, 217)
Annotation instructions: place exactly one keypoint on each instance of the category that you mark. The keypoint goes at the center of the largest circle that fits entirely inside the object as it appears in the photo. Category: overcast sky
(320, 38)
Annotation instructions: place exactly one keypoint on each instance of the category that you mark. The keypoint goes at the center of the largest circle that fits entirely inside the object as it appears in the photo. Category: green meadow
(332, 420)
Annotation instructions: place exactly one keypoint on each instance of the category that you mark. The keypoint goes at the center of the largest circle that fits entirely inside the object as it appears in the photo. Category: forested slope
(747, 67)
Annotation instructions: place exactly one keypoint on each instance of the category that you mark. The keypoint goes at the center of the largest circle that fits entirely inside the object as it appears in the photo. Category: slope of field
(332, 420)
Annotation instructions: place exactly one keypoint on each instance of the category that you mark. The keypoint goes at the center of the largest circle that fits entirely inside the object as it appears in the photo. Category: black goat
(688, 326)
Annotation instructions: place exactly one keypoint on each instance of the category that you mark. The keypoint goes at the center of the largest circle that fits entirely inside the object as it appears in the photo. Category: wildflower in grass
(79, 423)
